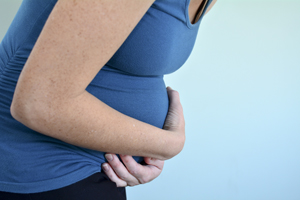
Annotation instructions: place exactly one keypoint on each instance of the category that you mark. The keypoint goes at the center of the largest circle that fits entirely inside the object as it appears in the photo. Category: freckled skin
(78, 38)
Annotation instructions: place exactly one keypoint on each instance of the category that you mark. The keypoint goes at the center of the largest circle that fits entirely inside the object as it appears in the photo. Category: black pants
(95, 187)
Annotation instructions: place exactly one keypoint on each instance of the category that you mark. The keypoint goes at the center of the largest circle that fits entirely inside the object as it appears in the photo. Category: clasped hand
(131, 173)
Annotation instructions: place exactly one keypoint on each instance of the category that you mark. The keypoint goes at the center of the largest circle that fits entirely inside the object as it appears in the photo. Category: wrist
(173, 145)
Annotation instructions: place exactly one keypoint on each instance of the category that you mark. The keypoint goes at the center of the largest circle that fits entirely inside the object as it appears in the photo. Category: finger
(144, 173)
(169, 88)
(174, 97)
(132, 166)
(175, 119)
(173, 94)
(120, 170)
(155, 166)
(112, 175)
(155, 162)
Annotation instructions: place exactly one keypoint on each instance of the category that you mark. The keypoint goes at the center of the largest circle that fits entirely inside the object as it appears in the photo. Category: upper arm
(78, 38)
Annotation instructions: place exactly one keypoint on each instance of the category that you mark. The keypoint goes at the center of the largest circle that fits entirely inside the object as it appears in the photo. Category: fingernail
(105, 167)
(109, 157)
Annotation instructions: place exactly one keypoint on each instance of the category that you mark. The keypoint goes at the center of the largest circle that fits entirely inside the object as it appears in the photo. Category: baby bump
(141, 97)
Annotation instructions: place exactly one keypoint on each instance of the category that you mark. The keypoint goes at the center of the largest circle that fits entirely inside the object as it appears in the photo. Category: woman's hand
(131, 173)
(175, 120)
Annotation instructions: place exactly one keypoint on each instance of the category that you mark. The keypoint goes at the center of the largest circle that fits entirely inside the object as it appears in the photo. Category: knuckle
(110, 175)
(134, 172)
(143, 180)
(116, 164)
(123, 177)
(133, 183)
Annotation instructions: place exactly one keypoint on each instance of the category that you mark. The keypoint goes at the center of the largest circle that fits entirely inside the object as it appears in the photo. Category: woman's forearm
(87, 122)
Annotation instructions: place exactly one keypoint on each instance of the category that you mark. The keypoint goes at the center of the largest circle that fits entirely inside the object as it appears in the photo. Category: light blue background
(240, 90)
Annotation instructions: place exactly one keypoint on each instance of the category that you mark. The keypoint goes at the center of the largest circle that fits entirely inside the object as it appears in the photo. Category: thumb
(174, 98)
(175, 117)
(154, 162)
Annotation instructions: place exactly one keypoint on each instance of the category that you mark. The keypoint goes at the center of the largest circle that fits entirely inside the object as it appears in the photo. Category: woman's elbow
(17, 110)
(26, 112)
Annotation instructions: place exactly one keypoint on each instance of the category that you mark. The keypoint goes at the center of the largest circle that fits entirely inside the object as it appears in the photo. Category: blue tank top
(131, 82)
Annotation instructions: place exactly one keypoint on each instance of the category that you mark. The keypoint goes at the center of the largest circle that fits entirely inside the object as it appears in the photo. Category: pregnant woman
(82, 77)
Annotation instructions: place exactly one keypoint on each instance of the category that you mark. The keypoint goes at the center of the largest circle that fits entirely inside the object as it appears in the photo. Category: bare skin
(131, 173)
(50, 96)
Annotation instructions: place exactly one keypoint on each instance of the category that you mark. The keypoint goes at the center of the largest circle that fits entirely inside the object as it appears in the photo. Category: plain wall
(240, 90)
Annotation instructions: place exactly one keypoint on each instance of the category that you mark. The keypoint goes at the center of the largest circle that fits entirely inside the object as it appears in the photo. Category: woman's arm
(79, 37)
